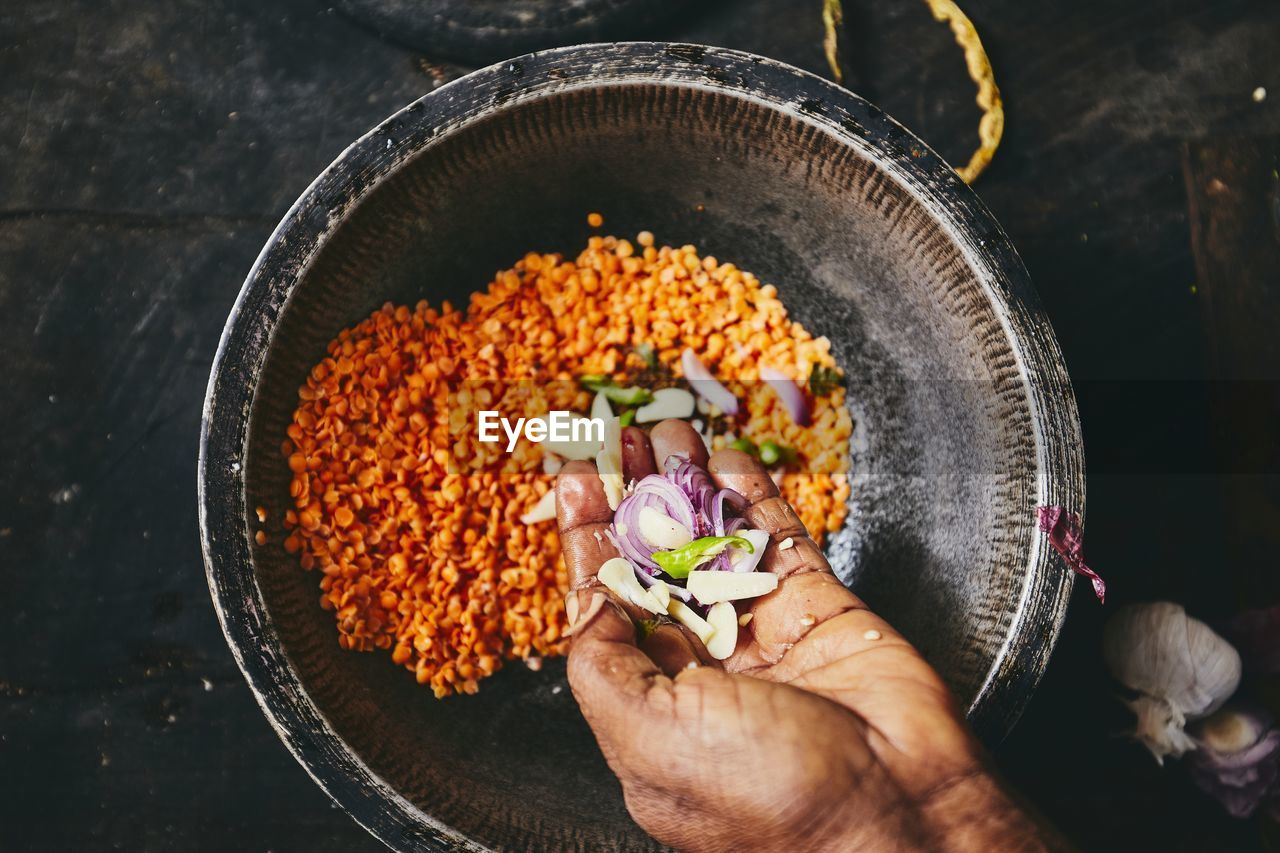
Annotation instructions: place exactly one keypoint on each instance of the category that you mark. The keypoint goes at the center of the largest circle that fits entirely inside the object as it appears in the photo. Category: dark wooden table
(146, 152)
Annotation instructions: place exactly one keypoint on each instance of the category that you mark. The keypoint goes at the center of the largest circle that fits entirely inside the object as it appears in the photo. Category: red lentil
(414, 525)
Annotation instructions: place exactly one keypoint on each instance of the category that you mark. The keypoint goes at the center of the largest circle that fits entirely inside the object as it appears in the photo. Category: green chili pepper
(627, 417)
(772, 453)
(746, 445)
(681, 561)
(633, 396)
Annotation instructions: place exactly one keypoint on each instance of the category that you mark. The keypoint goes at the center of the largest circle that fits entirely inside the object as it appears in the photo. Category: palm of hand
(825, 727)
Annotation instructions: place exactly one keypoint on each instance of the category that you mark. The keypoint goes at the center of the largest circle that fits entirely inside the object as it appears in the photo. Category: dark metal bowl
(965, 417)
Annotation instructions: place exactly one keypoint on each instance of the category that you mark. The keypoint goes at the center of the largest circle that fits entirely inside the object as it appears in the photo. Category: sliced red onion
(1238, 761)
(686, 493)
(678, 591)
(737, 501)
(718, 563)
(748, 562)
(697, 485)
(659, 493)
(788, 392)
(707, 386)
(1066, 535)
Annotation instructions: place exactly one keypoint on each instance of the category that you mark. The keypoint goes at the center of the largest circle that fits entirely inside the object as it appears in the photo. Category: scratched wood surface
(146, 151)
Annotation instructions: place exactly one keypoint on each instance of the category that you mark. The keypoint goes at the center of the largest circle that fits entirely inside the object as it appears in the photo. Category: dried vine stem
(832, 16)
(991, 125)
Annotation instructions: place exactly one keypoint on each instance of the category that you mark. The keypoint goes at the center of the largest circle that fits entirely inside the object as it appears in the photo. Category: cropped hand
(825, 729)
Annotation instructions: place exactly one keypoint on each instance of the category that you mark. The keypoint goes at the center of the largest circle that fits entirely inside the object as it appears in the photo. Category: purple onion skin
(1241, 780)
(719, 563)
(678, 591)
(685, 493)
(719, 527)
(707, 386)
(1066, 536)
(788, 392)
(661, 493)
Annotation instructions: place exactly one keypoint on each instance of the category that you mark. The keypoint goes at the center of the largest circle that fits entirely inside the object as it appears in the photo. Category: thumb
(612, 679)
(607, 670)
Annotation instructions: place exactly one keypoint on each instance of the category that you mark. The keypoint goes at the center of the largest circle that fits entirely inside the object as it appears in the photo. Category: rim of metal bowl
(224, 528)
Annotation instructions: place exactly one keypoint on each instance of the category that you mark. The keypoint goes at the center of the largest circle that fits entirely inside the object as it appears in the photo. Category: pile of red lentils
(414, 525)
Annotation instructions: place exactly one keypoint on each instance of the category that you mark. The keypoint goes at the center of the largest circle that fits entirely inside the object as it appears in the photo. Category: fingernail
(571, 608)
(583, 620)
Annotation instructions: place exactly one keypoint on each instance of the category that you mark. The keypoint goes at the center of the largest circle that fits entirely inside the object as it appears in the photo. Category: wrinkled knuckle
(776, 516)
(804, 555)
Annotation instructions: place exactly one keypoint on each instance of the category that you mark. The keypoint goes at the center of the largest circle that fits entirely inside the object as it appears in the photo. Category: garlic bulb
(1179, 667)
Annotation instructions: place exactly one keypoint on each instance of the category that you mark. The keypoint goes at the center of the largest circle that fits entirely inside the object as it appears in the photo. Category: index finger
(625, 692)
(767, 510)
(583, 513)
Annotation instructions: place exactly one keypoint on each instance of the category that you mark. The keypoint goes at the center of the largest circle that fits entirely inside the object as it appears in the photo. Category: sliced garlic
(543, 510)
(661, 593)
(600, 408)
(662, 531)
(667, 403)
(686, 616)
(713, 587)
(723, 620)
(575, 449)
(609, 462)
(745, 619)
(620, 578)
(786, 543)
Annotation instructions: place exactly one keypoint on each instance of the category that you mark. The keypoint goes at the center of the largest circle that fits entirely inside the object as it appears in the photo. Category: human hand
(824, 730)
